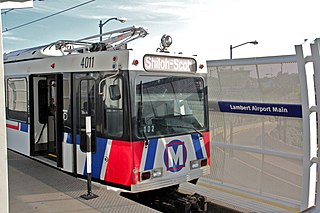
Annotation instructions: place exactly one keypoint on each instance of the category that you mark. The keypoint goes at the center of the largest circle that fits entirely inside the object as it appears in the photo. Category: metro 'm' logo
(175, 156)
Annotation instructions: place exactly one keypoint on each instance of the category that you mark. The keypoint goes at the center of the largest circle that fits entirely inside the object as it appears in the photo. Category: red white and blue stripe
(18, 126)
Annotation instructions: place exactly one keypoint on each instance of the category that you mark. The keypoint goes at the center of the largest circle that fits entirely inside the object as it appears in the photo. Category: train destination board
(170, 64)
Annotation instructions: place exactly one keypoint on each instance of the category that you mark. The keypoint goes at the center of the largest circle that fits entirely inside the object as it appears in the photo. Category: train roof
(88, 55)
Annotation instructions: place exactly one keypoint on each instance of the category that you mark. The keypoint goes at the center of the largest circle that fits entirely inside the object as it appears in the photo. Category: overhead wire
(40, 19)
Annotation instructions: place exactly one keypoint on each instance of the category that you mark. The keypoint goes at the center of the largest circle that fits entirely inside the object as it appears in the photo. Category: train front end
(169, 122)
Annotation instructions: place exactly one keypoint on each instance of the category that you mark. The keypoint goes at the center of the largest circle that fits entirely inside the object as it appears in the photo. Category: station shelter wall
(255, 152)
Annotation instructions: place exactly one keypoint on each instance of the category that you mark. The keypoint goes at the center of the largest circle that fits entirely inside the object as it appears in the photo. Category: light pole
(121, 19)
(249, 42)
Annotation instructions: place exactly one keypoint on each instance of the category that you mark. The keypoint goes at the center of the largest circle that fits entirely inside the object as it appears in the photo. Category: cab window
(113, 107)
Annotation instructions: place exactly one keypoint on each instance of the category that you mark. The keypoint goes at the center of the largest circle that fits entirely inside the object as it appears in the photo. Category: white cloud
(9, 37)
(277, 25)
(206, 27)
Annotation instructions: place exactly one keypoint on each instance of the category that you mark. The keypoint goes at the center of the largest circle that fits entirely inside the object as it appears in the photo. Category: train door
(46, 103)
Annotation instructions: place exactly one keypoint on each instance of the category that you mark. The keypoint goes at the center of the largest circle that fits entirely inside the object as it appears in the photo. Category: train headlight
(166, 41)
(154, 173)
(157, 173)
(195, 164)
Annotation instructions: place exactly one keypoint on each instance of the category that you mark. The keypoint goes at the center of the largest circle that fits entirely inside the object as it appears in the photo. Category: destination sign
(169, 64)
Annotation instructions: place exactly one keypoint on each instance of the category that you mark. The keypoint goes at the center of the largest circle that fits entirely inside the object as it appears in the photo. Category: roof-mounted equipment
(117, 39)
(166, 42)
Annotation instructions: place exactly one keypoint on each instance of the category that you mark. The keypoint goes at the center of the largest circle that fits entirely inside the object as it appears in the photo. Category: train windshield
(169, 105)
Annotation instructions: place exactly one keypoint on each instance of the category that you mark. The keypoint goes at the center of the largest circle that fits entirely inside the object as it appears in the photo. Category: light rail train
(143, 117)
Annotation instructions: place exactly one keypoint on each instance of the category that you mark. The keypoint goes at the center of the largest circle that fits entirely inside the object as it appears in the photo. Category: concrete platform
(38, 188)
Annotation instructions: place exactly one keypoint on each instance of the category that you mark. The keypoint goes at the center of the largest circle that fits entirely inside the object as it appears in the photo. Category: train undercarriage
(169, 199)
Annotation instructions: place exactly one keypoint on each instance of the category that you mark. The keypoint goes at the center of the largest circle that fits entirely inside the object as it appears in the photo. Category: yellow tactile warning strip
(270, 203)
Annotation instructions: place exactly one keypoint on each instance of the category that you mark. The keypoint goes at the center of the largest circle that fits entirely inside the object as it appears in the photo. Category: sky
(203, 27)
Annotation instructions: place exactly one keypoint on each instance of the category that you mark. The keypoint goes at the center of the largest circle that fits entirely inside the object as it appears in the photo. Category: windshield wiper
(146, 139)
(185, 127)
(140, 106)
(140, 111)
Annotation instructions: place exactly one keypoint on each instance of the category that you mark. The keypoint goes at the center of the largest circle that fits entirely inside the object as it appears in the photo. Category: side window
(17, 99)
(113, 107)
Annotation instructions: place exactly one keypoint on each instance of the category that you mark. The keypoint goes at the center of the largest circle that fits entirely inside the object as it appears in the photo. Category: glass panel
(281, 177)
(237, 140)
(113, 107)
(169, 105)
(17, 99)
(279, 83)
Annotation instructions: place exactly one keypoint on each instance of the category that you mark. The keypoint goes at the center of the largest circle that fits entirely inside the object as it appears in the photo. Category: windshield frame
(187, 129)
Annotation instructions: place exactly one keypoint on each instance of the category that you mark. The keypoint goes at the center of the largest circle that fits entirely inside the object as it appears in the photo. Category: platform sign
(10, 4)
(267, 109)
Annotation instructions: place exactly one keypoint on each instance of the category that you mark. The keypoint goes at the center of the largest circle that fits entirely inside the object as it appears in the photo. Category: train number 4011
(87, 62)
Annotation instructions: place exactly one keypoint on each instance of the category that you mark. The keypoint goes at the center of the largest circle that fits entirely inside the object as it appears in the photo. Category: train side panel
(18, 137)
